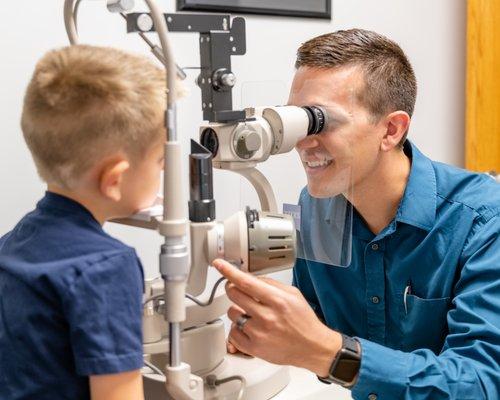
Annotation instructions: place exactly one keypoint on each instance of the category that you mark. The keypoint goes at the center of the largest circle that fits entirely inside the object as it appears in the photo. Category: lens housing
(317, 119)
(210, 141)
(271, 241)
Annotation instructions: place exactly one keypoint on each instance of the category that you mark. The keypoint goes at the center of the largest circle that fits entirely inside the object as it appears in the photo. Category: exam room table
(304, 385)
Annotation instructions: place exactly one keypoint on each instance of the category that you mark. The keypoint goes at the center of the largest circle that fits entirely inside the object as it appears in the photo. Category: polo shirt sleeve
(467, 367)
(104, 311)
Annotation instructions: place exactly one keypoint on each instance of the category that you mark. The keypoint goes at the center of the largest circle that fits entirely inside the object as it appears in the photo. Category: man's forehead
(325, 85)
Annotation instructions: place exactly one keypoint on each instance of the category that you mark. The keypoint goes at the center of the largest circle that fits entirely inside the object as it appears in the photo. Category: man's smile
(317, 166)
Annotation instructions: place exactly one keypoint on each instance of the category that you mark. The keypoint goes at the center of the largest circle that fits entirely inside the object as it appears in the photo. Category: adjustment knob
(223, 80)
(228, 79)
(247, 143)
(145, 23)
(251, 141)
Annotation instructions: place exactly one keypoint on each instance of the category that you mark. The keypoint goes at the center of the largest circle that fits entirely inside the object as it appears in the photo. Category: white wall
(431, 32)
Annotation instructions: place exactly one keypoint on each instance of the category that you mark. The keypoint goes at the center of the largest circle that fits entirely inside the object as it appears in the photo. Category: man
(416, 314)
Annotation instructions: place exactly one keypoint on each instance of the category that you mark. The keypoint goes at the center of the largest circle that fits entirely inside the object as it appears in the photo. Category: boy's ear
(397, 124)
(111, 178)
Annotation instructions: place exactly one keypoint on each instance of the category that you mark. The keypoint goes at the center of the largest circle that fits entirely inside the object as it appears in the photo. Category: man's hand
(281, 328)
(231, 348)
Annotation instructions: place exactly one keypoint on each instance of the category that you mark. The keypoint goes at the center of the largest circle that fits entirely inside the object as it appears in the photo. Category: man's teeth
(316, 164)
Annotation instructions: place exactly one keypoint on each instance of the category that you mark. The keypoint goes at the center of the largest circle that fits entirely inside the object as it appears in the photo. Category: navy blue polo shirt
(423, 295)
(70, 304)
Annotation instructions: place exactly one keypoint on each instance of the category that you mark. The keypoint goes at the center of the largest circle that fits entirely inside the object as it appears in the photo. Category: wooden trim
(482, 141)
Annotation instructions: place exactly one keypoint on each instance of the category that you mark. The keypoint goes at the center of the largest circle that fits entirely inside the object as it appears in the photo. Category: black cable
(154, 368)
(212, 382)
(190, 297)
(210, 299)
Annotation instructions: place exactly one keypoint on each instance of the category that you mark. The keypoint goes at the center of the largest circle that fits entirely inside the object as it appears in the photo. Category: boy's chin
(144, 205)
(128, 211)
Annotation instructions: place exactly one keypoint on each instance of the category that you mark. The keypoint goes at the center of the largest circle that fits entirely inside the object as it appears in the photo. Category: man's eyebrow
(337, 117)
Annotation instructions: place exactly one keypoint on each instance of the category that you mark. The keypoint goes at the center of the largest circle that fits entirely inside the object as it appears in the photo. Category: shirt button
(372, 396)
(375, 300)
(375, 248)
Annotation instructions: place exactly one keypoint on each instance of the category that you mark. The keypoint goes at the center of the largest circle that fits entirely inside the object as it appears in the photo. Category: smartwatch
(345, 366)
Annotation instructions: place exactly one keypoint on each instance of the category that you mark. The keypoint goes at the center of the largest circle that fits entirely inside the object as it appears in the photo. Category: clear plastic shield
(310, 169)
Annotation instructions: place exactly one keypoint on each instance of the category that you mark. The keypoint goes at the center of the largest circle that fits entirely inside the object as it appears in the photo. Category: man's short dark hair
(390, 83)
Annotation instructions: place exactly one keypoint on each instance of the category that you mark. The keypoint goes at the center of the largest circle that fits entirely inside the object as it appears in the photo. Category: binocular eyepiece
(317, 119)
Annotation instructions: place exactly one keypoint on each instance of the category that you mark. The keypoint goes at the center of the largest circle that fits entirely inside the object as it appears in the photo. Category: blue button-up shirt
(422, 296)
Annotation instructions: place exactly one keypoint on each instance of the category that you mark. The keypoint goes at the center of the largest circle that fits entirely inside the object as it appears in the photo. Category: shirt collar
(71, 207)
(418, 206)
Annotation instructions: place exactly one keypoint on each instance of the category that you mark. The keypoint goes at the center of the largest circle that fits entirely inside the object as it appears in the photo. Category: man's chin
(322, 191)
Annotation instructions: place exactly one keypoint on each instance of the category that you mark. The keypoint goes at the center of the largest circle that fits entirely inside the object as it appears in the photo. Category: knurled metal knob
(223, 80)
(228, 79)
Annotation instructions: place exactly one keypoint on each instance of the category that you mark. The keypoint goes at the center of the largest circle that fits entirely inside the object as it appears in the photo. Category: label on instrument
(294, 211)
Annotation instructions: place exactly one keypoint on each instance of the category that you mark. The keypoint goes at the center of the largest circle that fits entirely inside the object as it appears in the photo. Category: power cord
(210, 299)
(192, 298)
(213, 382)
(154, 368)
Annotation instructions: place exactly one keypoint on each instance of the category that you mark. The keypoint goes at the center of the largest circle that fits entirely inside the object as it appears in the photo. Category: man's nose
(309, 142)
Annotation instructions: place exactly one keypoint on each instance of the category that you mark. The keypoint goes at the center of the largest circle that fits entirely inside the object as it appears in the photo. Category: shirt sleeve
(104, 312)
(467, 367)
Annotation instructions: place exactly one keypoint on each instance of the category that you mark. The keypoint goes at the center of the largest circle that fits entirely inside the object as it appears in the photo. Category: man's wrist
(328, 345)
(344, 369)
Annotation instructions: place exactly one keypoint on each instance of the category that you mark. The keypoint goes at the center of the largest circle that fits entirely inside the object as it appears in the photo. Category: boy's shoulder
(58, 234)
(74, 294)
(59, 241)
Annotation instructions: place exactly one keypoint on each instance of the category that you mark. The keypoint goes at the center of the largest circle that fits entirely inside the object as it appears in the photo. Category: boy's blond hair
(85, 102)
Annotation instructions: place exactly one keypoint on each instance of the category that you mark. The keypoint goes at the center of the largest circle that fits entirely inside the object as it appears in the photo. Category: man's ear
(397, 124)
(111, 178)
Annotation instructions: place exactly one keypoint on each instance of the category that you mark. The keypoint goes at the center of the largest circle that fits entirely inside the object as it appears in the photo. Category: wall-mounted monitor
(295, 8)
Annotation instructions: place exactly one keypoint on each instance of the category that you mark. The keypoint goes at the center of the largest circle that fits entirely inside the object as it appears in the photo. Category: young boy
(70, 294)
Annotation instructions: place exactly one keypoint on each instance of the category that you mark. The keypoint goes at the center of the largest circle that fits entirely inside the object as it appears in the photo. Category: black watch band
(345, 366)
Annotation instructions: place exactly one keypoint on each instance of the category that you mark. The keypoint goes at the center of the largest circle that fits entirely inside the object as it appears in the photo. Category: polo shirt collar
(56, 201)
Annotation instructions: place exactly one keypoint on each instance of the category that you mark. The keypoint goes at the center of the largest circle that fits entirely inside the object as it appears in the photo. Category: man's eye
(329, 129)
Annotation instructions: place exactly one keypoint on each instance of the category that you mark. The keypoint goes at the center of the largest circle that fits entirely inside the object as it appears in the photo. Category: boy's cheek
(150, 193)
(142, 189)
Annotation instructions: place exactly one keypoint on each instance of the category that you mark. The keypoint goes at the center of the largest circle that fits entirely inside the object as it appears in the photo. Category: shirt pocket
(424, 323)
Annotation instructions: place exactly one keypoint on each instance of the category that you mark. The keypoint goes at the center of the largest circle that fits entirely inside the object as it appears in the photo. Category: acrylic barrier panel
(314, 181)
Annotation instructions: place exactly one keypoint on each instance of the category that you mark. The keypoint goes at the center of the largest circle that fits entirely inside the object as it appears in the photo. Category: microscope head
(265, 131)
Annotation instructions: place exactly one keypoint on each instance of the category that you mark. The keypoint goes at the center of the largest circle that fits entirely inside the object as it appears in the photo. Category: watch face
(346, 370)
